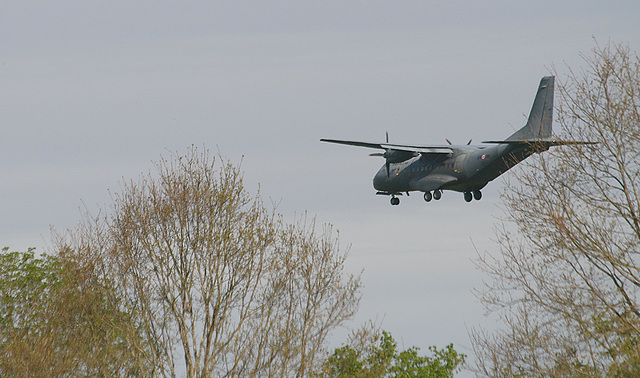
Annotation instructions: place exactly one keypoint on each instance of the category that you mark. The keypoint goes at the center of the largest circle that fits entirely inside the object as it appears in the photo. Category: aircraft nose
(379, 179)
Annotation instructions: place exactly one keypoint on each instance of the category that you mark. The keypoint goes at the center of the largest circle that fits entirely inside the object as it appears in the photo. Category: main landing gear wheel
(437, 194)
(469, 196)
(395, 201)
(427, 196)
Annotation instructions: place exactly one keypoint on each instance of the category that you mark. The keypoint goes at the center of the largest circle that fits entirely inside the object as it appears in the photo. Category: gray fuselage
(468, 168)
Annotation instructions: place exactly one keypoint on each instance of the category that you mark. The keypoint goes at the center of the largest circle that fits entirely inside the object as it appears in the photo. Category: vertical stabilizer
(538, 125)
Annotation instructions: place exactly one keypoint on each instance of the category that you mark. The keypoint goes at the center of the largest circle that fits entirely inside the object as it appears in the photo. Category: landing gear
(395, 201)
(437, 194)
(469, 196)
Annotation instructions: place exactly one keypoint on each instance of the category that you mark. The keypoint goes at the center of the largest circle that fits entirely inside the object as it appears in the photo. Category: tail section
(538, 127)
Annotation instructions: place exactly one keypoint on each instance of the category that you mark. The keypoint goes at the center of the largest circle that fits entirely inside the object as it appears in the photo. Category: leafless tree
(220, 283)
(566, 280)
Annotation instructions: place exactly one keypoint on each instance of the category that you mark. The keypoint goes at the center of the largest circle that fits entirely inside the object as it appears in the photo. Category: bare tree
(566, 282)
(220, 283)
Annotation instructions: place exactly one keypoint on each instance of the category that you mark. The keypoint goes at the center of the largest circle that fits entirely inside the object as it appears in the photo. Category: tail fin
(538, 127)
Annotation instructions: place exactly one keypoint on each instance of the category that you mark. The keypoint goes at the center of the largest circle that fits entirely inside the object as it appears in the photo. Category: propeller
(393, 156)
(386, 155)
(468, 143)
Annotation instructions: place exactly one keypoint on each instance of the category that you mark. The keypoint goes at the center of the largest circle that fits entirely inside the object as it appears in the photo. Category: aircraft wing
(432, 182)
(396, 147)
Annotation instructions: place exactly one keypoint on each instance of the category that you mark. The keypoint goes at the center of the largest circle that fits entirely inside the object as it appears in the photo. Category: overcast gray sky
(93, 91)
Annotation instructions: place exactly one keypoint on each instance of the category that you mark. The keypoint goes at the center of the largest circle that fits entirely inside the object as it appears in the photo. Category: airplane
(462, 168)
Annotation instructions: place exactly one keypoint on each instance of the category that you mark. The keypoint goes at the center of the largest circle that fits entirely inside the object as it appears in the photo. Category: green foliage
(382, 359)
(25, 281)
(55, 319)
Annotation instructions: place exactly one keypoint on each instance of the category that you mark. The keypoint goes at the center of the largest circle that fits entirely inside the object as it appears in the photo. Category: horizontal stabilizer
(545, 143)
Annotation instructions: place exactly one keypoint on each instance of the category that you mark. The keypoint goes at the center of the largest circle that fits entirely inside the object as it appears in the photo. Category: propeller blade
(377, 154)
(468, 143)
(387, 137)
(387, 164)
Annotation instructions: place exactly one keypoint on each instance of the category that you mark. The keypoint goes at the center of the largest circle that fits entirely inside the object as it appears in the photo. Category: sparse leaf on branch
(222, 284)
(566, 280)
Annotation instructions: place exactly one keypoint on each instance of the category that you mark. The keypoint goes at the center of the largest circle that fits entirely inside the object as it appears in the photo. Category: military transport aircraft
(462, 168)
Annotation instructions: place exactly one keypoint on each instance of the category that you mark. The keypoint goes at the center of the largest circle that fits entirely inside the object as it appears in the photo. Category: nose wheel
(395, 201)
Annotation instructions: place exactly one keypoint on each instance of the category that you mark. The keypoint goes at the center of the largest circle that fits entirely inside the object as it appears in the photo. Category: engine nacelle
(397, 156)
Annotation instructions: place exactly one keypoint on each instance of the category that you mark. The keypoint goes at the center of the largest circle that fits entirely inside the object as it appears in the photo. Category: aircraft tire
(437, 194)
(477, 195)
(395, 201)
(468, 196)
(427, 196)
